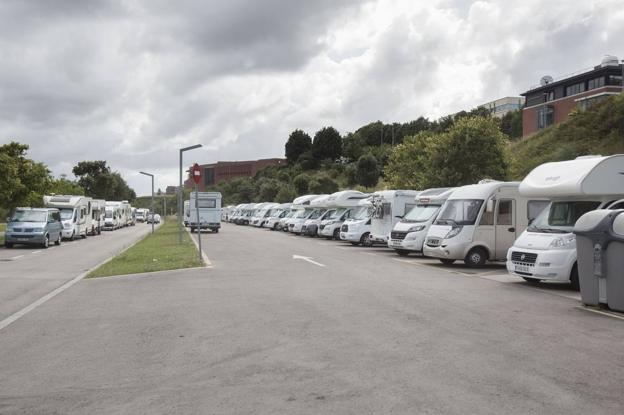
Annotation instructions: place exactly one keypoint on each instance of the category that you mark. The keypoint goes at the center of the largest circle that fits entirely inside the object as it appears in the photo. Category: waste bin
(600, 253)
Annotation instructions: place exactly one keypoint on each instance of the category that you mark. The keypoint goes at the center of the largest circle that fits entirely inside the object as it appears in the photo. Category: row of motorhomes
(527, 224)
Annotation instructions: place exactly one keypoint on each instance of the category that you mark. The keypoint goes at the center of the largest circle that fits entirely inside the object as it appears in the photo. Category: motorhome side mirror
(531, 221)
(490, 206)
(399, 217)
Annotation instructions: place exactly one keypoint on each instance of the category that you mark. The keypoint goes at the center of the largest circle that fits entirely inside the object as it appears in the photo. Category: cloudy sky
(131, 81)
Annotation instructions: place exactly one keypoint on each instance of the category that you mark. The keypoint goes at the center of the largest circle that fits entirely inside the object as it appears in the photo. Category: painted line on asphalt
(15, 258)
(35, 252)
(207, 263)
(308, 259)
(604, 313)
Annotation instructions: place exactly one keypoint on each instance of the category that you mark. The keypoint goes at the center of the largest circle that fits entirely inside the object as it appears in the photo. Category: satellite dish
(610, 60)
(546, 79)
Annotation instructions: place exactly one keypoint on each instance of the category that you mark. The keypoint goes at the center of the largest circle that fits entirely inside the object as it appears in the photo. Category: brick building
(552, 101)
(223, 171)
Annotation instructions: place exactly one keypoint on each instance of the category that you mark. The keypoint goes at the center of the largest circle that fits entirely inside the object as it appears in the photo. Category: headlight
(9, 230)
(453, 232)
(37, 230)
(416, 228)
(562, 241)
(66, 225)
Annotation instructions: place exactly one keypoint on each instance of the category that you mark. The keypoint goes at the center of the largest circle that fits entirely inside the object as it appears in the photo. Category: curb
(207, 263)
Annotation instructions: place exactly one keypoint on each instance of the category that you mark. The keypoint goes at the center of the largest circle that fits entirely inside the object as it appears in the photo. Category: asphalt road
(362, 331)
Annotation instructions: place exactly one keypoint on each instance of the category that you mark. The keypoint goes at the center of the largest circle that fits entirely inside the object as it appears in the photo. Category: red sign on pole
(196, 173)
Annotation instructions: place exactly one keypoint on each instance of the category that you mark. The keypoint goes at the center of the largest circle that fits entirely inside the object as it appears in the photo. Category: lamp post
(180, 203)
(152, 209)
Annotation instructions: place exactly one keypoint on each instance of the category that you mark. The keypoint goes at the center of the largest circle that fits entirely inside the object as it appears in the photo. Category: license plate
(433, 242)
(23, 239)
(523, 268)
(395, 243)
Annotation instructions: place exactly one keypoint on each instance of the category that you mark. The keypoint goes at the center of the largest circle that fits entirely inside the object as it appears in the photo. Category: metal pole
(180, 204)
(153, 212)
(198, 223)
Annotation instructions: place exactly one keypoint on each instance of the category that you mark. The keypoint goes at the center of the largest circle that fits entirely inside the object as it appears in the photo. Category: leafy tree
(471, 150)
(23, 181)
(286, 194)
(298, 143)
(327, 144)
(301, 183)
(367, 170)
(100, 183)
(511, 124)
(350, 174)
(353, 146)
(267, 191)
(323, 184)
(408, 164)
(63, 186)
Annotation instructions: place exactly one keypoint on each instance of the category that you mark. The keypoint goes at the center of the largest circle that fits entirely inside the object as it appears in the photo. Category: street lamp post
(180, 203)
(152, 209)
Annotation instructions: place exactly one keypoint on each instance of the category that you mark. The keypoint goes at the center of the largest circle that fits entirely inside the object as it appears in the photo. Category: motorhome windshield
(421, 213)
(317, 213)
(109, 214)
(67, 213)
(336, 214)
(363, 212)
(460, 212)
(302, 213)
(29, 216)
(561, 216)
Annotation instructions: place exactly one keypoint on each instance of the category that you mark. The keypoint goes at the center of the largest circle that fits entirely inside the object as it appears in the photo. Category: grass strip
(158, 252)
(2, 229)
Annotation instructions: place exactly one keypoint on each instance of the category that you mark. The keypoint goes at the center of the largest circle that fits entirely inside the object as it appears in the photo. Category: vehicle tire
(216, 231)
(476, 257)
(99, 231)
(46, 242)
(574, 278)
(73, 236)
(336, 235)
(365, 240)
(402, 252)
(8, 245)
(447, 261)
(58, 241)
(355, 243)
(531, 280)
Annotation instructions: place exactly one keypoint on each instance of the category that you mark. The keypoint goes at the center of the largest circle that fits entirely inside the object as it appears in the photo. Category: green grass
(2, 229)
(157, 252)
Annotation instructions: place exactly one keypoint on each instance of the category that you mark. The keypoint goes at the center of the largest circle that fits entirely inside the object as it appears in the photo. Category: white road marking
(13, 258)
(604, 313)
(35, 252)
(308, 259)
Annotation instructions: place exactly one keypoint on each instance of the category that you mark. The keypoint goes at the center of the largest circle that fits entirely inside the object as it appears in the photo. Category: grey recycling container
(600, 255)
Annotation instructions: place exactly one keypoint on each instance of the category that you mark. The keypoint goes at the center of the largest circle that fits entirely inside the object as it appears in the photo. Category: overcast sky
(131, 81)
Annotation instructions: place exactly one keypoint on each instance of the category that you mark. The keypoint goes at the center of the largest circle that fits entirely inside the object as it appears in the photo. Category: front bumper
(445, 250)
(328, 230)
(414, 244)
(24, 238)
(552, 265)
(379, 239)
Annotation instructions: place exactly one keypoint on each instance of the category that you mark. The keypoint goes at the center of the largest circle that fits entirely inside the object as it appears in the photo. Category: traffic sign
(196, 173)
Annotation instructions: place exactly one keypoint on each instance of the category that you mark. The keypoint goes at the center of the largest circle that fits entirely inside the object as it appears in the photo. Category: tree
(367, 170)
(322, 184)
(327, 144)
(511, 124)
(408, 164)
(100, 183)
(63, 186)
(353, 146)
(298, 143)
(308, 161)
(268, 190)
(471, 150)
(301, 183)
(286, 194)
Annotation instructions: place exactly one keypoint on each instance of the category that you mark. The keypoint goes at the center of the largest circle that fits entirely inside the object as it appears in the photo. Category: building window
(545, 116)
(209, 176)
(575, 89)
(615, 80)
(596, 83)
(588, 102)
(549, 96)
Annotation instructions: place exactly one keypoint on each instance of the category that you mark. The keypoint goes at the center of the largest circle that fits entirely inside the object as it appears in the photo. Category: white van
(312, 223)
(98, 207)
(282, 224)
(409, 234)
(209, 206)
(301, 208)
(276, 214)
(480, 222)
(341, 204)
(261, 213)
(127, 213)
(356, 229)
(141, 214)
(389, 206)
(75, 214)
(546, 250)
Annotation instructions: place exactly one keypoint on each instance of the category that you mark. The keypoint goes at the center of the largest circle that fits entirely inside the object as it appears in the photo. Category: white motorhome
(409, 234)
(261, 213)
(114, 217)
(301, 207)
(141, 214)
(187, 212)
(341, 205)
(480, 222)
(299, 219)
(98, 207)
(546, 250)
(389, 207)
(209, 206)
(312, 223)
(276, 214)
(75, 214)
(127, 213)
(356, 229)
(282, 225)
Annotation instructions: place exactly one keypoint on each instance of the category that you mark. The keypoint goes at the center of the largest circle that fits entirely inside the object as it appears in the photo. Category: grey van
(33, 226)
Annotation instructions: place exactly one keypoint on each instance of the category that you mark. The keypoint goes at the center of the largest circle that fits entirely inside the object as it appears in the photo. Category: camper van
(408, 235)
(295, 224)
(187, 212)
(276, 214)
(127, 213)
(261, 213)
(141, 214)
(299, 206)
(98, 207)
(389, 206)
(75, 214)
(113, 216)
(480, 222)
(546, 250)
(356, 229)
(311, 225)
(341, 205)
(209, 206)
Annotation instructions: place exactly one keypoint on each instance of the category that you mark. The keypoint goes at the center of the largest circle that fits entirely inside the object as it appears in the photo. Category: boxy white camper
(75, 214)
(98, 207)
(546, 250)
(276, 214)
(480, 222)
(341, 204)
(389, 206)
(409, 234)
(301, 207)
(209, 205)
(356, 229)
(312, 223)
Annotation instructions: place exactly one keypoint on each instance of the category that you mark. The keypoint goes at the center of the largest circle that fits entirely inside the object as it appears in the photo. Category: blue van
(33, 226)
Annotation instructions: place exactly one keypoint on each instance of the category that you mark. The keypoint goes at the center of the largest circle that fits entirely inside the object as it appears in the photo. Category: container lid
(618, 224)
(591, 220)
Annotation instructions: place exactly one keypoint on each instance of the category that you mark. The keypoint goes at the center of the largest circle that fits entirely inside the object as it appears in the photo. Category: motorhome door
(505, 224)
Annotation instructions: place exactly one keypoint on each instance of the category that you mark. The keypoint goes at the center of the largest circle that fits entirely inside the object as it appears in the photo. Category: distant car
(153, 218)
(30, 226)
(157, 218)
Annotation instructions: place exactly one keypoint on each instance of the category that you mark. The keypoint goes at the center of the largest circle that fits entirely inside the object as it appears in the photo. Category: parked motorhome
(276, 214)
(389, 206)
(187, 212)
(75, 214)
(408, 235)
(98, 207)
(356, 229)
(127, 213)
(299, 206)
(113, 218)
(304, 212)
(282, 224)
(209, 206)
(546, 250)
(141, 214)
(261, 213)
(480, 222)
(342, 204)
(311, 225)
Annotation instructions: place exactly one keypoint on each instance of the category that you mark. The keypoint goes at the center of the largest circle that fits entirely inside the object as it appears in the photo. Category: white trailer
(356, 229)
(341, 205)
(480, 222)
(408, 235)
(75, 214)
(389, 207)
(114, 217)
(209, 205)
(546, 250)
(187, 212)
(141, 214)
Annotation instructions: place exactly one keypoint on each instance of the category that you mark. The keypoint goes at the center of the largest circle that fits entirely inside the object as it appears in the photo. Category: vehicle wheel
(531, 280)
(336, 234)
(73, 236)
(446, 261)
(365, 240)
(216, 231)
(8, 245)
(476, 257)
(46, 242)
(355, 243)
(402, 252)
(574, 278)
(84, 236)
(58, 241)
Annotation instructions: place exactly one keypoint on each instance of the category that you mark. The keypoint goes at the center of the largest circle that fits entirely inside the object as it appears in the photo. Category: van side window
(504, 215)
(535, 207)
(487, 218)
(50, 216)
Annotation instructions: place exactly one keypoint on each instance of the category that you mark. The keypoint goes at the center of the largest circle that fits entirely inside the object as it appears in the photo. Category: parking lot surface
(295, 325)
